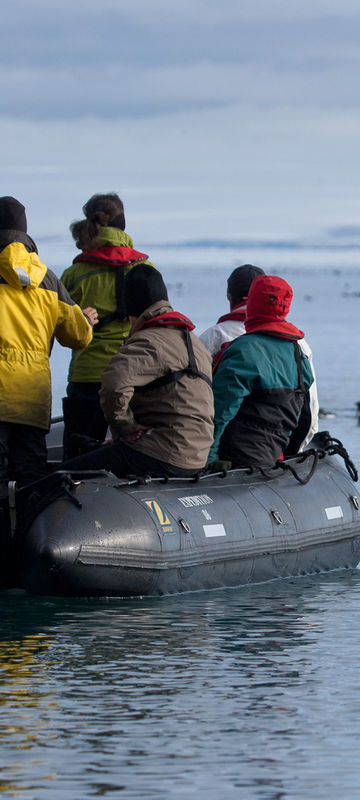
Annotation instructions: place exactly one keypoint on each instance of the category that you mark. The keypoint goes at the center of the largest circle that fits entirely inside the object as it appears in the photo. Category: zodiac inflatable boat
(94, 534)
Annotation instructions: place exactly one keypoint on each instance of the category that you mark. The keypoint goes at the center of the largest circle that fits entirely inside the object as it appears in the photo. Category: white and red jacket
(227, 328)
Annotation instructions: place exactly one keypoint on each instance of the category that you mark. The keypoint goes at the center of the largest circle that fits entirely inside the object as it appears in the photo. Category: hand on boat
(91, 314)
(133, 437)
(218, 466)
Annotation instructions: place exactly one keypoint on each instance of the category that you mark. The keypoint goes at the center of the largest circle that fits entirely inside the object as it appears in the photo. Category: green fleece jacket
(92, 283)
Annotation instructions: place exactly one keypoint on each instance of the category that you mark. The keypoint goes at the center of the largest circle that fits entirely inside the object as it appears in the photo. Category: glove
(218, 466)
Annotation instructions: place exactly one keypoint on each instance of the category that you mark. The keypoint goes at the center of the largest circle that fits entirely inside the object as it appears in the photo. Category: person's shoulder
(50, 281)
(244, 349)
(68, 273)
(54, 284)
(208, 332)
(240, 344)
(214, 337)
(200, 346)
(305, 347)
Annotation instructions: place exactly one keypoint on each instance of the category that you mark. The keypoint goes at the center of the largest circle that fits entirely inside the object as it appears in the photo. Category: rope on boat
(331, 446)
(34, 498)
(288, 468)
(327, 446)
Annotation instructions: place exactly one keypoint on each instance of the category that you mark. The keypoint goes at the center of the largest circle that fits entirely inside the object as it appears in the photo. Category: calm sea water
(246, 693)
(250, 693)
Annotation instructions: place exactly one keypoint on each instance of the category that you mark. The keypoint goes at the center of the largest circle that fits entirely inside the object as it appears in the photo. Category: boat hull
(181, 536)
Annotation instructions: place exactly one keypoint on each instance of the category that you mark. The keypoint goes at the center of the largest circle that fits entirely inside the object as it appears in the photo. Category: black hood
(9, 236)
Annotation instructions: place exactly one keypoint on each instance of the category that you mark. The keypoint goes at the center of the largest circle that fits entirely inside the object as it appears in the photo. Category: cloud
(209, 119)
(200, 174)
(131, 59)
(120, 92)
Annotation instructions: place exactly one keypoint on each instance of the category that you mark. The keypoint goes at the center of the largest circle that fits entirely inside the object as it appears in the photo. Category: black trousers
(82, 415)
(23, 454)
(123, 460)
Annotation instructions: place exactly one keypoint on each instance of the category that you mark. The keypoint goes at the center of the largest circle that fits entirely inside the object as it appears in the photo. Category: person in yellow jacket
(35, 307)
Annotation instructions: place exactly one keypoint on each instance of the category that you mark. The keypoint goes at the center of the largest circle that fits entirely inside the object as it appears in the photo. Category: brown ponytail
(99, 211)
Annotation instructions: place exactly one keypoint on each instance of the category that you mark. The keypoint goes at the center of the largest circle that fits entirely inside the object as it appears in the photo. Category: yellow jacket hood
(20, 268)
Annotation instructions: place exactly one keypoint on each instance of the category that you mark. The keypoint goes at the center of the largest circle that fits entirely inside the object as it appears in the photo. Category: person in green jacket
(95, 279)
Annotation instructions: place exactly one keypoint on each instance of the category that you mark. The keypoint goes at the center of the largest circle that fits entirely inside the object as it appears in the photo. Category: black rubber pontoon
(97, 535)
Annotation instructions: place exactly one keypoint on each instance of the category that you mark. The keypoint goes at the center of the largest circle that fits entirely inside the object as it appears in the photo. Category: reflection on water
(241, 693)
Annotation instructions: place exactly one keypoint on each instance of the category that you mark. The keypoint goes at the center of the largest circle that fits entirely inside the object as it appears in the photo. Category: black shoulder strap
(300, 387)
(191, 370)
(120, 313)
(305, 417)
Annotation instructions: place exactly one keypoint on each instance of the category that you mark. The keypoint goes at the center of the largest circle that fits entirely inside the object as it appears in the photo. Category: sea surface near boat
(233, 693)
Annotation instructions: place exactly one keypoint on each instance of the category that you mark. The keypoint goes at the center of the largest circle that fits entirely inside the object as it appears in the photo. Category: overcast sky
(212, 120)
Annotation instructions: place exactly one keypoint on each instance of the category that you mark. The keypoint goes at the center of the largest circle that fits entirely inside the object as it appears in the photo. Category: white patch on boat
(98, 525)
(195, 500)
(334, 512)
(214, 530)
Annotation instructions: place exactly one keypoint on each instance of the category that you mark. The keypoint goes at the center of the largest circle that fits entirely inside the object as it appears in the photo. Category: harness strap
(236, 316)
(300, 387)
(191, 370)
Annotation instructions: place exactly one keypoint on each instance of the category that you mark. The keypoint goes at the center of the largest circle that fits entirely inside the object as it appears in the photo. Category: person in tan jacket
(156, 391)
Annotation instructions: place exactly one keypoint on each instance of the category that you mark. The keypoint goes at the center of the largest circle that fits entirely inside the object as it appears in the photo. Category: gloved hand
(218, 466)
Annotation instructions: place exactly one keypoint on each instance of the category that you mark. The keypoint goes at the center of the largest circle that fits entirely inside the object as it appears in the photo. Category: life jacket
(218, 356)
(113, 256)
(177, 320)
(238, 315)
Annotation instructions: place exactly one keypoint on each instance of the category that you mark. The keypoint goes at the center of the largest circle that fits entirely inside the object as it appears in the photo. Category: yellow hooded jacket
(34, 307)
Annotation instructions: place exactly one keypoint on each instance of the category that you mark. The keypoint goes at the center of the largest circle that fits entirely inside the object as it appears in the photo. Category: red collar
(279, 328)
(237, 314)
(112, 255)
(169, 318)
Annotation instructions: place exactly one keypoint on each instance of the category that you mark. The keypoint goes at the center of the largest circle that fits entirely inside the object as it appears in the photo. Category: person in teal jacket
(107, 254)
(261, 381)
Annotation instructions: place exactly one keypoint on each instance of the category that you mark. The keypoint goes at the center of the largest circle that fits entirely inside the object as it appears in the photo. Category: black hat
(143, 286)
(12, 215)
(240, 280)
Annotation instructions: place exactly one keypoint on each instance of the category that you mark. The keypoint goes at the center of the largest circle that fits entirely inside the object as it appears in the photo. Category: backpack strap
(300, 387)
(119, 313)
(191, 370)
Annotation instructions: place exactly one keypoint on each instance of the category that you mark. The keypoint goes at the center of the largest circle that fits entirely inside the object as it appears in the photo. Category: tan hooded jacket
(179, 414)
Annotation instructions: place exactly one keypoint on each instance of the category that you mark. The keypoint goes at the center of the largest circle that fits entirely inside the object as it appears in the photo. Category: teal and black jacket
(259, 389)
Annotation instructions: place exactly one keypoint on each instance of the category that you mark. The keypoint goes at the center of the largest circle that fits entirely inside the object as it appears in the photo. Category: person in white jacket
(232, 324)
